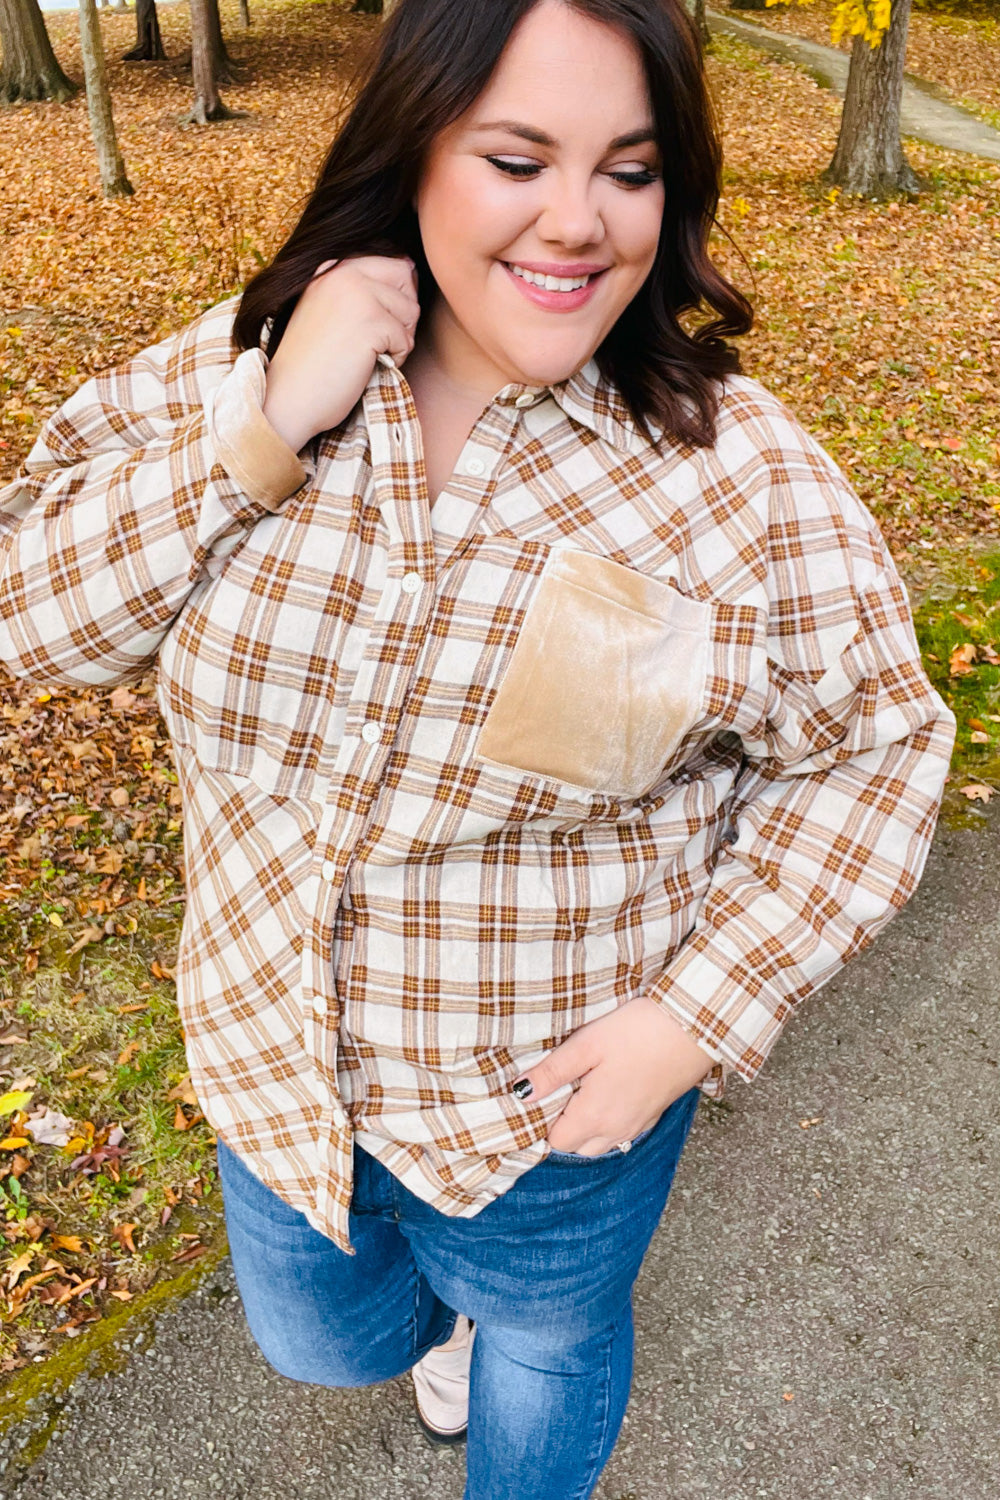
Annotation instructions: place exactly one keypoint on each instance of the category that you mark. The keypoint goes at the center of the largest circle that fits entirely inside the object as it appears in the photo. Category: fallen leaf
(976, 792)
(88, 935)
(128, 1010)
(192, 1252)
(50, 1128)
(989, 656)
(123, 1234)
(160, 971)
(71, 1242)
(14, 1142)
(80, 750)
(184, 1091)
(127, 1053)
(119, 797)
(979, 737)
(17, 1267)
(122, 1296)
(961, 661)
(10, 1040)
(12, 1102)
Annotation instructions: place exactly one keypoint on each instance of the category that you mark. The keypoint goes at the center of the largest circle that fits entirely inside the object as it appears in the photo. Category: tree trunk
(205, 26)
(869, 160)
(244, 13)
(368, 7)
(222, 63)
(102, 121)
(748, 4)
(29, 69)
(148, 41)
(701, 23)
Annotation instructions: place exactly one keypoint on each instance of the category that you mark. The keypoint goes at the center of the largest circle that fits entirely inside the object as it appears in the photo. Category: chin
(552, 368)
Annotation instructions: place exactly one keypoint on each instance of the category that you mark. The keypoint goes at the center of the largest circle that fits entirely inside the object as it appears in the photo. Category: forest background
(877, 323)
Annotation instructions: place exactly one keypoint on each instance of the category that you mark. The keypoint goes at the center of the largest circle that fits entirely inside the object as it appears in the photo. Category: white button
(329, 870)
(371, 732)
(475, 466)
(524, 400)
(411, 583)
(319, 1005)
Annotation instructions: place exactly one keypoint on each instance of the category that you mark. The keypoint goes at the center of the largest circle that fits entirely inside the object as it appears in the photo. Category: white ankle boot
(441, 1386)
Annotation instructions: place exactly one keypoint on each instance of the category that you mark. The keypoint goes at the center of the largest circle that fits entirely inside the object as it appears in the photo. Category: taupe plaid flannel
(459, 779)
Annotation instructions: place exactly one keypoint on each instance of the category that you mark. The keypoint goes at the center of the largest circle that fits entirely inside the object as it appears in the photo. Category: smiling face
(540, 207)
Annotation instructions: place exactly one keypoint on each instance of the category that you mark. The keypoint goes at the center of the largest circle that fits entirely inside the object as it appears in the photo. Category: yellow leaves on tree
(867, 18)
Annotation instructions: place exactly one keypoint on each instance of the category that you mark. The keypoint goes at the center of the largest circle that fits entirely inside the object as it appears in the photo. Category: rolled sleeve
(255, 456)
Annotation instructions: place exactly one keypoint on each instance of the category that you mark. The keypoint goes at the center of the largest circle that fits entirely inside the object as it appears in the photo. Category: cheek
(467, 218)
(639, 231)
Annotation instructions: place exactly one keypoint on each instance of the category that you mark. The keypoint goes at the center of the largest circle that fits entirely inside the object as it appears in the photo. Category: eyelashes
(523, 170)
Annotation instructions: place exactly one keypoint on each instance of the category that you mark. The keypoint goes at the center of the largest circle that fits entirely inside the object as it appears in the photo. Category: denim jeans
(545, 1271)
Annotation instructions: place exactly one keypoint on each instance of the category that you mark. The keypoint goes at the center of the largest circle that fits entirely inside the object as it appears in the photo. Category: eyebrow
(539, 138)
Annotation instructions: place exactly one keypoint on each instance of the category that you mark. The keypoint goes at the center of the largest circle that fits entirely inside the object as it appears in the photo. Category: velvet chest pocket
(606, 677)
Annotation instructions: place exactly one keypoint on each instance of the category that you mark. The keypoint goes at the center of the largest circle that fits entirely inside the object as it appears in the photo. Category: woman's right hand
(351, 312)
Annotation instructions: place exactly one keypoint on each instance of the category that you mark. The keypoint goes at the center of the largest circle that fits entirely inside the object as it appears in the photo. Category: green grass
(963, 611)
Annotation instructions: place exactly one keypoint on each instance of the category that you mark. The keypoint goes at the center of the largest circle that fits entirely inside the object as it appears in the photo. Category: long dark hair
(433, 60)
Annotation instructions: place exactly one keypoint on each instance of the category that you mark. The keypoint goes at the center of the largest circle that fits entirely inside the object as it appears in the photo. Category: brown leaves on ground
(72, 855)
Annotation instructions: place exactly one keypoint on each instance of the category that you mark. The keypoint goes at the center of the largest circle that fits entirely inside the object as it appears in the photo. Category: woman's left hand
(632, 1064)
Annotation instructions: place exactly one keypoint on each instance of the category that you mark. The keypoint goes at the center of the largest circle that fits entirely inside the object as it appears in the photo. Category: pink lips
(557, 301)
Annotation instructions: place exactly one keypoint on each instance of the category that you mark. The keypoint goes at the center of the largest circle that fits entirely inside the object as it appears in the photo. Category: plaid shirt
(460, 778)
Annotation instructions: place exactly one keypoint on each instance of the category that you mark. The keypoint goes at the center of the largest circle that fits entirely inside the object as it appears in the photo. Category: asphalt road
(818, 1314)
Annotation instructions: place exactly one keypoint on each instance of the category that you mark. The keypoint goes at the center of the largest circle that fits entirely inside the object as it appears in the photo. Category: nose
(571, 215)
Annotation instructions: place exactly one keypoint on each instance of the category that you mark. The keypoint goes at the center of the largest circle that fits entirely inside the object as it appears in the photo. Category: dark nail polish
(523, 1088)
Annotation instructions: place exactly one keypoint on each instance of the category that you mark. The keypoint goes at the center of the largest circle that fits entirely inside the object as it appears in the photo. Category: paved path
(855, 1263)
(925, 114)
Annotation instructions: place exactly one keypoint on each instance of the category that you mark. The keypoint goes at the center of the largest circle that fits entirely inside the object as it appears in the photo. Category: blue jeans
(545, 1271)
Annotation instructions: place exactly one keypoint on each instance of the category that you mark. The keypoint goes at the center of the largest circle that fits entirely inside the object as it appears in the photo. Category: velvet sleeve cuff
(245, 443)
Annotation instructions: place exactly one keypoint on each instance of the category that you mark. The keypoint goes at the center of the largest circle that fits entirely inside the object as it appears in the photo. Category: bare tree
(869, 159)
(29, 69)
(148, 41)
(244, 13)
(102, 121)
(370, 7)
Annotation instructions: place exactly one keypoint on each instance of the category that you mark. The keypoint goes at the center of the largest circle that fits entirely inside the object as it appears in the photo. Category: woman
(547, 712)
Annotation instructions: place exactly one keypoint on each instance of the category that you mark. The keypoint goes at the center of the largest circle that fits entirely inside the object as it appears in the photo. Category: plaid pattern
(461, 778)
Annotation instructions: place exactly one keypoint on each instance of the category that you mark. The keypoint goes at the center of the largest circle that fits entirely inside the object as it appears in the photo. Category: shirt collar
(589, 397)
